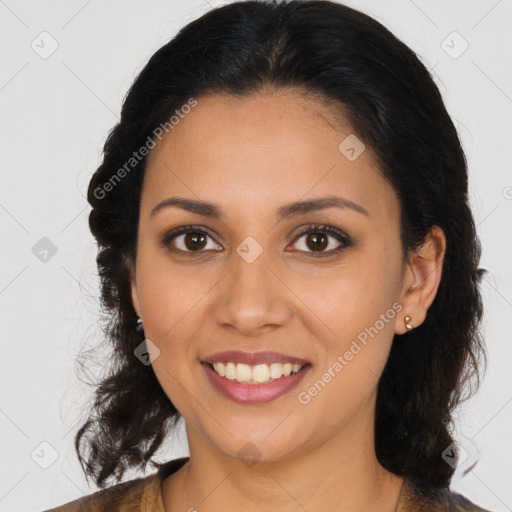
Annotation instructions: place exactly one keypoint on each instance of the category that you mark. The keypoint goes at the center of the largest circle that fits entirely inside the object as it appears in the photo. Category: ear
(134, 290)
(421, 279)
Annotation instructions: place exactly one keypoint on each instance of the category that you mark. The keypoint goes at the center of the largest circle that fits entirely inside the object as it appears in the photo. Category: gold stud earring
(407, 321)
(139, 327)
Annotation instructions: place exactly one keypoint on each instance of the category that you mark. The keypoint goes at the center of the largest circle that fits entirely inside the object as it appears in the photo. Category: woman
(282, 212)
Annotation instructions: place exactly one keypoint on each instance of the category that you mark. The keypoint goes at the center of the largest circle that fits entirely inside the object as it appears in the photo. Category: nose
(253, 297)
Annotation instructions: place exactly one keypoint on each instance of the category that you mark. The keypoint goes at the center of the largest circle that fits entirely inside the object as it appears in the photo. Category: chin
(259, 449)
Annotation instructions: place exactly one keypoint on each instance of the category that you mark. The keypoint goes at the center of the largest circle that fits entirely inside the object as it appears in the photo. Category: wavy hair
(348, 59)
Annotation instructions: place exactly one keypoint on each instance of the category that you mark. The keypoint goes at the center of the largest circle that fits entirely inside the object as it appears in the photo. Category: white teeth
(276, 371)
(258, 374)
(230, 371)
(287, 369)
(220, 368)
(242, 372)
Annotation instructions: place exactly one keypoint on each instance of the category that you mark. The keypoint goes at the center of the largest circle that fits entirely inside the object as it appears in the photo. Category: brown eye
(317, 241)
(318, 238)
(189, 239)
(194, 241)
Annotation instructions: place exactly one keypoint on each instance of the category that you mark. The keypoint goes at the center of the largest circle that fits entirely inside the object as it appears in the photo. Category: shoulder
(141, 494)
(417, 497)
(126, 496)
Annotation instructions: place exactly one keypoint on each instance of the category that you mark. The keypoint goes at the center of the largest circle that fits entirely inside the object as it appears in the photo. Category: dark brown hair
(392, 103)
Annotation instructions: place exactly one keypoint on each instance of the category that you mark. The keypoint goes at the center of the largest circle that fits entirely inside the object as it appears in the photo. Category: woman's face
(256, 283)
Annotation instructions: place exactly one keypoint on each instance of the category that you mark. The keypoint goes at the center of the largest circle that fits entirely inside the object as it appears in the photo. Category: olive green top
(144, 495)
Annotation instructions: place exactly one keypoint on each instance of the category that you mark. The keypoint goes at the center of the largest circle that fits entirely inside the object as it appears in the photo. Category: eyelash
(314, 228)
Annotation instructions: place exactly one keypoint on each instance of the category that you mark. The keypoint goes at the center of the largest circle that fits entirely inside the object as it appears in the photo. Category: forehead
(262, 150)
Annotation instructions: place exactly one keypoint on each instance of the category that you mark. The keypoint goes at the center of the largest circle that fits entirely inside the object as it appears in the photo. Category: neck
(340, 474)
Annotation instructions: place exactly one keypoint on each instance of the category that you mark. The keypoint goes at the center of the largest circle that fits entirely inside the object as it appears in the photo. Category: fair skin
(251, 156)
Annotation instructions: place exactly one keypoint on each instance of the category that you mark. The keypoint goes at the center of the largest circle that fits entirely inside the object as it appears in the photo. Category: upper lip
(252, 358)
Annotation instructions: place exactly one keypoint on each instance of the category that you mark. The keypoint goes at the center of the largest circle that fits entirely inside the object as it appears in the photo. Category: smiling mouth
(255, 374)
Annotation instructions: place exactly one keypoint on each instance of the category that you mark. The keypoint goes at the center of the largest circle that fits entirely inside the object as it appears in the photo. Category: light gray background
(55, 114)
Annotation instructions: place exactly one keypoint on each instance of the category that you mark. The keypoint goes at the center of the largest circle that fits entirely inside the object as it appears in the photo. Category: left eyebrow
(301, 207)
(212, 210)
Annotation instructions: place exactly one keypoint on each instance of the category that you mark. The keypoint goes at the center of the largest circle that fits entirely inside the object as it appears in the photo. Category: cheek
(353, 313)
(171, 298)
(351, 295)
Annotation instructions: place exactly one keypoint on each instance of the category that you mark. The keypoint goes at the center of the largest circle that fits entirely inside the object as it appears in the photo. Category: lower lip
(254, 393)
